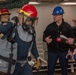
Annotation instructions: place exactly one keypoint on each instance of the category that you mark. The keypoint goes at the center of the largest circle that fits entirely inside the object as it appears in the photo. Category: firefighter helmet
(58, 11)
(29, 10)
(5, 11)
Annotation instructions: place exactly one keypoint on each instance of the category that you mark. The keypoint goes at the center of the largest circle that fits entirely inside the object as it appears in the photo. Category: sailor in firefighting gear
(5, 15)
(25, 38)
(4, 18)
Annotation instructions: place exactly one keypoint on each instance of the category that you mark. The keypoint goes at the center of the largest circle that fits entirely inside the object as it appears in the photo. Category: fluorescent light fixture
(67, 3)
(34, 3)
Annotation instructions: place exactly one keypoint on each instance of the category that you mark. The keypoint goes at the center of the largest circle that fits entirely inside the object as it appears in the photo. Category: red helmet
(4, 11)
(29, 10)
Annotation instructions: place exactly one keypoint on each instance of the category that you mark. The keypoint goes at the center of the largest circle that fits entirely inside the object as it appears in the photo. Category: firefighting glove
(15, 20)
(38, 64)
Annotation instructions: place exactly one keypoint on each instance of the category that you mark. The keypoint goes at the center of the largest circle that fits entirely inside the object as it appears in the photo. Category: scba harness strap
(28, 59)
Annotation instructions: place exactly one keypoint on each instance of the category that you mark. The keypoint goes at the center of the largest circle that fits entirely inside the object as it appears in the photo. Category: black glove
(15, 18)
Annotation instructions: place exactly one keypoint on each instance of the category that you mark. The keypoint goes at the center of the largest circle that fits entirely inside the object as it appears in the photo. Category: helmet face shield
(24, 18)
(35, 22)
(20, 18)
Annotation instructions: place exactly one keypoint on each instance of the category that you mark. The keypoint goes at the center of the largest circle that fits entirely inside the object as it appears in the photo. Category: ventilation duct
(53, 1)
(34, 2)
(68, 2)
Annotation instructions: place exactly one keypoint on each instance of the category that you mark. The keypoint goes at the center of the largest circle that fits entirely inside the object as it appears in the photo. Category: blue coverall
(22, 51)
